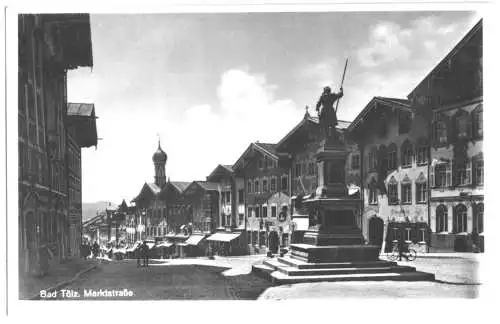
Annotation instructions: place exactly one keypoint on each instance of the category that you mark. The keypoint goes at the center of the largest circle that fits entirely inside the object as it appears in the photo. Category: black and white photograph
(277, 155)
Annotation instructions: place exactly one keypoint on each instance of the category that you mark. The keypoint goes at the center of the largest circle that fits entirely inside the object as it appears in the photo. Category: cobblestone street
(230, 278)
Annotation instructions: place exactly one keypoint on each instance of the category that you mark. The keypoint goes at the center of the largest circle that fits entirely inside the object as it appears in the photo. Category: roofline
(365, 111)
(217, 167)
(453, 52)
(254, 144)
(263, 149)
(300, 124)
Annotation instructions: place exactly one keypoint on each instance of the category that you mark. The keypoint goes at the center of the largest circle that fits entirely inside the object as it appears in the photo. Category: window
(392, 193)
(256, 186)
(462, 124)
(460, 219)
(273, 184)
(406, 154)
(250, 211)
(442, 177)
(478, 218)
(441, 219)
(257, 211)
(406, 193)
(421, 192)
(241, 218)
(264, 211)
(241, 199)
(392, 162)
(260, 163)
(479, 172)
(265, 162)
(373, 196)
(264, 186)
(249, 186)
(463, 174)
(440, 129)
(422, 155)
(228, 197)
(284, 183)
(270, 163)
(273, 211)
(355, 161)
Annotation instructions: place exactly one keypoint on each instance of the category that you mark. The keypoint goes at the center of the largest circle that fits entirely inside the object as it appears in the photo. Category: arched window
(406, 154)
(460, 219)
(256, 186)
(392, 157)
(441, 219)
(392, 192)
(382, 157)
(249, 186)
(478, 218)
(422, 151)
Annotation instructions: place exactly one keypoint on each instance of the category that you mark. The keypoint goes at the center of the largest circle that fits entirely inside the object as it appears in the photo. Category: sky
(207, 85)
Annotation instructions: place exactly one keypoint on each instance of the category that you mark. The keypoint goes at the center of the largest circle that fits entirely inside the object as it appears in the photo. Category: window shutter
(449, 173)
(432, 177)
(468, 172)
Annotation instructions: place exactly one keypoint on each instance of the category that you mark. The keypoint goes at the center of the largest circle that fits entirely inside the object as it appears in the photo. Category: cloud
(321, 73)
(390, 43)
(202, 137)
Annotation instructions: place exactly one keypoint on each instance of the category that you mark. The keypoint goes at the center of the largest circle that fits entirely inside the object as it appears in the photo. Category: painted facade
(394, 145)
(451, 97)
(267, 187)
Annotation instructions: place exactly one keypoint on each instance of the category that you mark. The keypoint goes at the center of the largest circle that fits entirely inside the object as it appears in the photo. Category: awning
(195, 239)
(164, 244)
(223, 237)
(301, 224)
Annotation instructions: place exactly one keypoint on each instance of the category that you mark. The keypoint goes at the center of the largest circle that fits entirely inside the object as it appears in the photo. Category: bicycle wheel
(412, 254)
(393, 255)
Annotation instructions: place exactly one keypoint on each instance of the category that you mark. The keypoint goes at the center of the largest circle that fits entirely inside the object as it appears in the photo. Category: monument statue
(328, 114)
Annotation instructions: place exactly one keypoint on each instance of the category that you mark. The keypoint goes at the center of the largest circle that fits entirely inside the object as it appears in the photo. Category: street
(230, 278)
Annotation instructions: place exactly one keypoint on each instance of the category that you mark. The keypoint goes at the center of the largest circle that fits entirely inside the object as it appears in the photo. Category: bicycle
(410, 254)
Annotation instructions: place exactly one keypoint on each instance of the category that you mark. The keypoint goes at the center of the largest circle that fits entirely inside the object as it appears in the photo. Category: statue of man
(328, 115)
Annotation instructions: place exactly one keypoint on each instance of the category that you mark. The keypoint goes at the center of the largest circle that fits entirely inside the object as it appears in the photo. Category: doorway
(376, 231)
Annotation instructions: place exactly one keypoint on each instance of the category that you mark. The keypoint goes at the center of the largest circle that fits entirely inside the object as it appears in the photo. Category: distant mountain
(89, 210)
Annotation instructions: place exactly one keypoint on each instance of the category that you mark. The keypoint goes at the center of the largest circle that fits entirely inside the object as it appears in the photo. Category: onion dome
(159, 156)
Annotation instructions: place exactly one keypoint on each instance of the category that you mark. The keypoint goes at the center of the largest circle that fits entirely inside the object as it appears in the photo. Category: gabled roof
(478, 28)
(401, 104)
(201, 185)
(180, 186)
(150, 188)
(221, 169)
(265, 148)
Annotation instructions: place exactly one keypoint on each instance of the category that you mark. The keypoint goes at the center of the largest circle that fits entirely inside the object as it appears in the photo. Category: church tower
(159, 160)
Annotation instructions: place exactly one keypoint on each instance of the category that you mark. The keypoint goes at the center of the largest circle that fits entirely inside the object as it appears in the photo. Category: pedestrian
(145, 254)
(402, 246)
(95, 250)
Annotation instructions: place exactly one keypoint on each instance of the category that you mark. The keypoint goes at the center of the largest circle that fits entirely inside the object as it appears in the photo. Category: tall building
(394, 147)
(49, 46)
(451, 98)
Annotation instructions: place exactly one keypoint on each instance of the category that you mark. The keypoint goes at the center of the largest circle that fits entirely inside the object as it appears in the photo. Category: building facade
(49, 46)
(267, 195)
(394, 158)
(450, 96)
